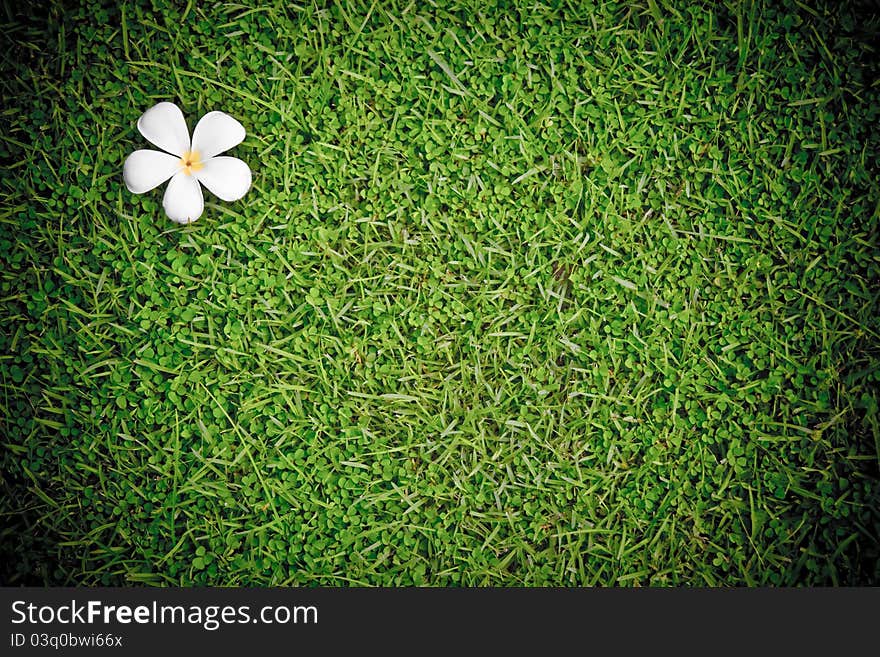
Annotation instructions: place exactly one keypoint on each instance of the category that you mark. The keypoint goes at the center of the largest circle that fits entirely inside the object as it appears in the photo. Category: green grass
(553, 293)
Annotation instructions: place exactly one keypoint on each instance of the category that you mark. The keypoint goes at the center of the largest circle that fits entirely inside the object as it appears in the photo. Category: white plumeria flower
(189, 162)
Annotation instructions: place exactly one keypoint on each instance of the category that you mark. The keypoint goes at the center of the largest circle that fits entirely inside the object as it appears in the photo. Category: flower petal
(216, 132)
(164, 126)
(183, 200)
(143, 170)
(227, 177)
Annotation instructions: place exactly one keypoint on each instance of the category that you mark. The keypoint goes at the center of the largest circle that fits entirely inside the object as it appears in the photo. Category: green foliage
(542, 293)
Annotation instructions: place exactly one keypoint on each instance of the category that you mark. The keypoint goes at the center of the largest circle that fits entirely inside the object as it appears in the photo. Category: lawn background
(540, 293)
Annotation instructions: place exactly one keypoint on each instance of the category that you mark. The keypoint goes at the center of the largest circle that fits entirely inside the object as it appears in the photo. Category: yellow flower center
(191, 162)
